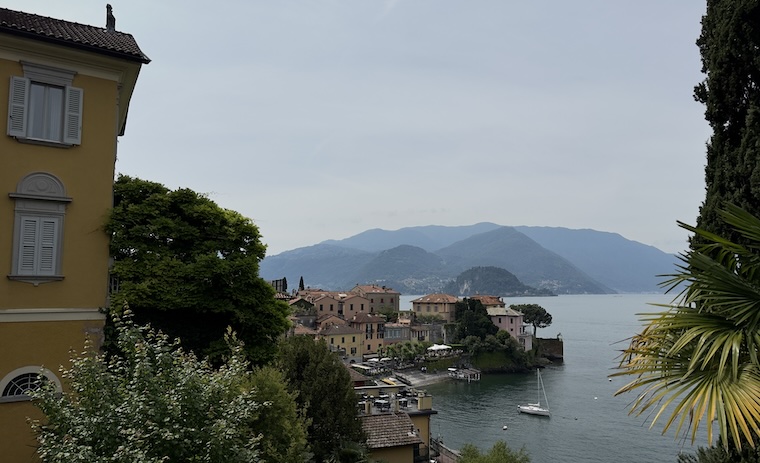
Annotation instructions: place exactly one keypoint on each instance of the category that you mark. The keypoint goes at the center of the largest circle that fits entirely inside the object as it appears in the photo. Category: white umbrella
(436, 347)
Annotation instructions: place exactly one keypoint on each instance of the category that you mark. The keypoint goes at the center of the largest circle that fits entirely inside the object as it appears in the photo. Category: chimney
(424, 402)
(110, 19)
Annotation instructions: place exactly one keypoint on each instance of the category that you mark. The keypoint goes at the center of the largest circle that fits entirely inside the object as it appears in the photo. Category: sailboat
(536, 408)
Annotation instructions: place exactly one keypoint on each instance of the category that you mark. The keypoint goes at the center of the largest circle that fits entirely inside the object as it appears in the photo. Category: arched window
(38, 229)
(16, 384)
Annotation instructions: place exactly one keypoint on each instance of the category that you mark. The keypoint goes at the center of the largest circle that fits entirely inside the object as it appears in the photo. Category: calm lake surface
(588, 424)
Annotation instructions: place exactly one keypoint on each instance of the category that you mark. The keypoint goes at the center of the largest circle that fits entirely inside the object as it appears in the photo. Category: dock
(465, 374)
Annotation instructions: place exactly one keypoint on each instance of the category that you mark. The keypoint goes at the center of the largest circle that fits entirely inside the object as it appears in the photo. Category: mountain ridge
(422, 260)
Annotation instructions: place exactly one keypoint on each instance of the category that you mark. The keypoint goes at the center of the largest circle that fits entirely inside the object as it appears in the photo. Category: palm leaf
(696, 362)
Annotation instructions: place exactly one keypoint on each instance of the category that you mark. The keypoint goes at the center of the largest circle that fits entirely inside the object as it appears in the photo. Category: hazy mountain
(623, 265)
(490, 281)
(407, 269)
(422, 260)
(429, 238)
(322, 266)
(532, 264)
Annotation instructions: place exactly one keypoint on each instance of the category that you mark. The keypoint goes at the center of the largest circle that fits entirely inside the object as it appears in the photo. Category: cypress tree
(730, 49)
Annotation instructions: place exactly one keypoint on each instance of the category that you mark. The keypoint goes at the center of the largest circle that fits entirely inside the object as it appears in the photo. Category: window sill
(15, 398)
(50, 143)
(36, 280)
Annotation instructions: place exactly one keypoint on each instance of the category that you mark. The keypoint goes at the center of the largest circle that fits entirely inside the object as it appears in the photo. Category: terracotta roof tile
(502, 311)
(488, 300)
(355, 375)
(437, 299)
(375, 289)
(96, 39)
(389, 430)
(301, 330)
(333, 330)
(363, 317)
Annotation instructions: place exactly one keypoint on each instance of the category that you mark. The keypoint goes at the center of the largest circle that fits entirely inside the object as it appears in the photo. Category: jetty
(464, 374)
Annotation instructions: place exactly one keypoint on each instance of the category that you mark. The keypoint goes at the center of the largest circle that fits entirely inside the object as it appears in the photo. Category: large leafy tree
(325, 391)
(153, 403)
(280, 424)
(730, 49)
(535, 315)
(697, 362)
(190, 268)
(472, 320)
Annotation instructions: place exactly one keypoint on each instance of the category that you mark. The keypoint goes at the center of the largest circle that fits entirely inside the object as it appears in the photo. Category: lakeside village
(392, 353)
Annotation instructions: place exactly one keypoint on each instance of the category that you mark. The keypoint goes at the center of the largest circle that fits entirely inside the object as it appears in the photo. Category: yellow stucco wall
(87, 173)
(422, 422)
(26, 344)
(393, 455)
(40, 325)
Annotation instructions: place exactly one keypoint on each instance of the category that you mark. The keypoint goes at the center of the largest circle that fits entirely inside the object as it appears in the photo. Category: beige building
(343, 339)
(380, 297)
(372, 328)
(438, 305)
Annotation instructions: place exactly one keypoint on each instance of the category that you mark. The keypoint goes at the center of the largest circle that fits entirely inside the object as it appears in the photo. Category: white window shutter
(72, 126)
(47, 246)
(28, 246)
(19, 96)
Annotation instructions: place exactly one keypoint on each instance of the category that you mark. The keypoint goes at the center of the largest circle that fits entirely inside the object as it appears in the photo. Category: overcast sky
(323, 119)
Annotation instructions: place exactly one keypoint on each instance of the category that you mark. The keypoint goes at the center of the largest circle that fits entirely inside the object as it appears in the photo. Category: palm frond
(697, 361)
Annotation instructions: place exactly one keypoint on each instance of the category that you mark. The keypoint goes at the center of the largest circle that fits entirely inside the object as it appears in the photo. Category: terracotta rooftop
(374, 289)
(338, 320)
(355, 375)
(437, 299)
(71, 34)
(333, 330)
(300, 330)
(389, 430)
(364, 317)
(488, 300)
(502, 311)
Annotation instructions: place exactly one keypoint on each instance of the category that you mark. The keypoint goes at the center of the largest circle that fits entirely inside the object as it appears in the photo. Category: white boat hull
(533, 409)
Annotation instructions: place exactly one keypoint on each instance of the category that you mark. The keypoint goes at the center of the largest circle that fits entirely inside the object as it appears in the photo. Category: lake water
(588, 424)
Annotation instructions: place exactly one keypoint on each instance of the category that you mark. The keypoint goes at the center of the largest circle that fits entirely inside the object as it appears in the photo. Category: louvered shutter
(72, 125)
(19, 96)
(28, 246)
(47, 246)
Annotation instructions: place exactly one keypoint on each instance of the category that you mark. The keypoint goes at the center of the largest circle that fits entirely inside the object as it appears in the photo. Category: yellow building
(343, 339)
(68, 88)
(438, 305)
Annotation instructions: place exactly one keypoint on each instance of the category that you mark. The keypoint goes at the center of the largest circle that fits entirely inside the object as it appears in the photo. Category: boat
(536, 408)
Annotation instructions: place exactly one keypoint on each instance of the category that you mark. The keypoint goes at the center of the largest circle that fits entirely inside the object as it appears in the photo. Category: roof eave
(80, 46)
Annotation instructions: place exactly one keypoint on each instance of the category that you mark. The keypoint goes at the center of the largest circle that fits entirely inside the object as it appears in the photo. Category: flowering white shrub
(152, 403)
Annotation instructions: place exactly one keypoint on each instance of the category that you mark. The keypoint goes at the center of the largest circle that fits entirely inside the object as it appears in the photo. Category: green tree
(697, 362)
(325, 393)
(534, 314)
(390, 314)
(190, 269)
(280, 424)
(472, 320)
(499, 453)
(730, 48)
(428, 319)
(156, 403)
